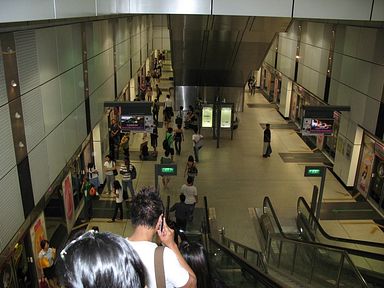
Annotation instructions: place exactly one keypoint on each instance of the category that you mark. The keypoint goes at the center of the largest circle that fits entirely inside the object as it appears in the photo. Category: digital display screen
(207, 117)
(226, 116)
(132, 123)
(317, 126)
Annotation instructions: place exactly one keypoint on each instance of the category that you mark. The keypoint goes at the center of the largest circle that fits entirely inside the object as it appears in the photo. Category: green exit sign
(167, 170)
(311, 171)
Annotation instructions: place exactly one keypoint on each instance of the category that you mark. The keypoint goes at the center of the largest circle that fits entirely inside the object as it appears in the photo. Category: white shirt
(119, 197)
(196, 138)
(168, 103)
(92, 172)
(175, 274)
(190, 192)
(109, 165)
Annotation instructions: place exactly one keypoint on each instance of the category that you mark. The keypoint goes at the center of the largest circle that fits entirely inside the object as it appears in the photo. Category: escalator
(284, 263)
(335, 262)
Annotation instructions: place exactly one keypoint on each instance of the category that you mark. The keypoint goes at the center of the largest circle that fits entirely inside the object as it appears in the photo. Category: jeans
(118, 206)
(196, 152)
(128, 184)
(178, 146)
(109, 183)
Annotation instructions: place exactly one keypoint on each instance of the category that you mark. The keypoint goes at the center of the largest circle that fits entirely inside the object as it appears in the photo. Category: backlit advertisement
(226, 117)
(313, 126)
(207, 117)
(37, 233)
(68, 201)
(139, 123)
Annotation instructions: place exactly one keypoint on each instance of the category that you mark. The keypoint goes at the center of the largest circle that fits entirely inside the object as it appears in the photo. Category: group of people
(102, 259)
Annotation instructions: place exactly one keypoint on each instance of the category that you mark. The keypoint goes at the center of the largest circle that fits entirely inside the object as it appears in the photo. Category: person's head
(44, 244)
(190, 180)
(100, 260)
(126, 161)
(116, 184)
(191, 159)
(168, 96)
(182, 198)
(178, 126)
(95, 228)
(181, 108)
(113, 121)
(267, 125)
(91, 165)
(195, 255)
(195, 130)
(146, 208)
(170, 129)
(108, 158)
(155, 99)
(190, 107)
(157, 85)
(166, 153)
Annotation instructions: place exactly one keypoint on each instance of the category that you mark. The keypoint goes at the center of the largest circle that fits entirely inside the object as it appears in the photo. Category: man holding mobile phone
(147, 216)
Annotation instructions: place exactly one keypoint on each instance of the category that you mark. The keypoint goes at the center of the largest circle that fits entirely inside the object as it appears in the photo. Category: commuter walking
(181, 213)
(158, 92)
(267, 150)
(154, 136)
(191, 199)
(197, 140)
(178, 137)
(118, 192)
(170, 140)
(166, 160)
(93, 176)
(155, 111)
(190, 167)
(128, 171)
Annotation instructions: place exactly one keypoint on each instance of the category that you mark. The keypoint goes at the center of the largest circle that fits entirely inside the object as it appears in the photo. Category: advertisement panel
(38, 233)
(68, 201)
(138, 123)
(226, 117)
(314, 126)
(207, 118)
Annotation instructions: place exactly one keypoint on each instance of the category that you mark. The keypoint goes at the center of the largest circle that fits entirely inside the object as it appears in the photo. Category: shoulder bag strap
(159, 267)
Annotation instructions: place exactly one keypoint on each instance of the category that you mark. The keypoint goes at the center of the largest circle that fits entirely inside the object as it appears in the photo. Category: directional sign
(166, 169)
(314, 171)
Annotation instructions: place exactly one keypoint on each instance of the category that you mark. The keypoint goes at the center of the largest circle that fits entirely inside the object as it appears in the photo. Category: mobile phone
(162, 223)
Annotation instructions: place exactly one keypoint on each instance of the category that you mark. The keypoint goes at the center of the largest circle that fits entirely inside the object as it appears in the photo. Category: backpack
(166, 144)
(133, 173)
(92, 191)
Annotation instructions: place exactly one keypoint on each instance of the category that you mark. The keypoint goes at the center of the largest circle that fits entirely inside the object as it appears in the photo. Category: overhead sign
(314, 171)
(315, 126)
(166, 169)
(207, 117)
(226, 117)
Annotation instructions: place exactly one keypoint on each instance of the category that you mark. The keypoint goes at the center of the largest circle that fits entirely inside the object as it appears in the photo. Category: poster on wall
(226, 117)
(207, 117)
(315, 126)
(37, 233)
(68, 201)
(365, 172)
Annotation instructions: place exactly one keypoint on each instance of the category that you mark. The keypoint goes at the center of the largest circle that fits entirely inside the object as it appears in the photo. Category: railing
(315, 263)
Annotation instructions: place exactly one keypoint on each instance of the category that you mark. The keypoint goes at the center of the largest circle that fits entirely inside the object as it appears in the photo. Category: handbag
(159, 267)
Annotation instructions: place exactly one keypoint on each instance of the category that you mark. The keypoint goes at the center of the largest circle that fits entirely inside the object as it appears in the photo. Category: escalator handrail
(351, 251)
(333, 238)
(254, 270)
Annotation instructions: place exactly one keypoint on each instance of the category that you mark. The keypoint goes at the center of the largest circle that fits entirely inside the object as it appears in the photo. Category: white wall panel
(51, 104)
(68, 46)
(7, 151)
(24, 10)
(38, 163)
(100, 68)
(276, 8)
(330, 9)
(104, 93)
(122, 53)
(79, 83)
(67, 93)
(371, 114)
(81, 124)
(56, 160)
(314, 57)
(378, 10)
(286, 66)
(317, 34)
(106, 7)
(75, 8)
(287, 46)
(170, 7)
(311, 80)
(3, 90)
(11, 207)
(47, 53)
(33, 118)
(69, 133)
(123, 76)
(27, 62)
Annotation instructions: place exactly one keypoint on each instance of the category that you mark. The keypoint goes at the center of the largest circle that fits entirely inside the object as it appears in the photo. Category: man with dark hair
(181, 213)
(147, 219)
(190, 192)
(267, 150)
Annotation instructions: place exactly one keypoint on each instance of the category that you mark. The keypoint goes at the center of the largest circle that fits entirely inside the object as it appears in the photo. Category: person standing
(154, 136)
(170, 140)
(127, 171)
(93, 175)
(109, 166)
(158, 92)
(178, 137)
(89, 192)
(149, 94)
(125, 145)
(168, 111)
(181, 213)
(190, 168)
(118, 192)
(267, 150)
(190, 193)
(165, 160)
(47, 257)
(197, 143)
(115, 135)
(155, 111)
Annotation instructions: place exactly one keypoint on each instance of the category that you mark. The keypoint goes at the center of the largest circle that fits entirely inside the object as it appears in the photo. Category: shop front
(268, 82)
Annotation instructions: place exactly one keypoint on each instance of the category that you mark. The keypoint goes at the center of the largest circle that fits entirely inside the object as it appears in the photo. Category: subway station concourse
(309, 215)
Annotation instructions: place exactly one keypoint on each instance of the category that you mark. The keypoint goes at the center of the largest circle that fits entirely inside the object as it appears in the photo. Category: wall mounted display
(38, 233)
(207, 117)
(314, 126)
(226, 117)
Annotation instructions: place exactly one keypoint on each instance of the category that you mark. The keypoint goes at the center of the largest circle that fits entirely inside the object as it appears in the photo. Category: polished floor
(235, 177)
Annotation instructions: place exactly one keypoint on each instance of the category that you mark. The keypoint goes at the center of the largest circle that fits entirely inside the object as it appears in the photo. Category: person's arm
(167, 238)
(186, 169)
(173, 208)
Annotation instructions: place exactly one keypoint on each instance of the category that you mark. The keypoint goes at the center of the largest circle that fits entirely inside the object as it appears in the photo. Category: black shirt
(267, 135)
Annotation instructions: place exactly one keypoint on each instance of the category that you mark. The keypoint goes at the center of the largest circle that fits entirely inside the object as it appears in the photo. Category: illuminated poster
(314, 126)
(38, 233)
(68, 201)
(226, 117)
(207, 117)
(132, 123)
(365, 171)
(148, 123)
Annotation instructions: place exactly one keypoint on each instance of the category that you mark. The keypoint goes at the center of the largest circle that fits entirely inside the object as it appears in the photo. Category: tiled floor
(236, 177)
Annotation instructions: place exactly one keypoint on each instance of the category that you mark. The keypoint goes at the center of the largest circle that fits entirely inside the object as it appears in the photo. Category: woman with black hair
(100, 260)
(118, 192)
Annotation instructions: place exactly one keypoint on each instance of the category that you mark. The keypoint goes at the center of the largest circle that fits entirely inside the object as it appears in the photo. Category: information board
(207, 118)
(226, 117)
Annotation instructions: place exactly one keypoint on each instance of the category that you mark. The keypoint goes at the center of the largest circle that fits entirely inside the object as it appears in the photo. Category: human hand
(167, 235)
